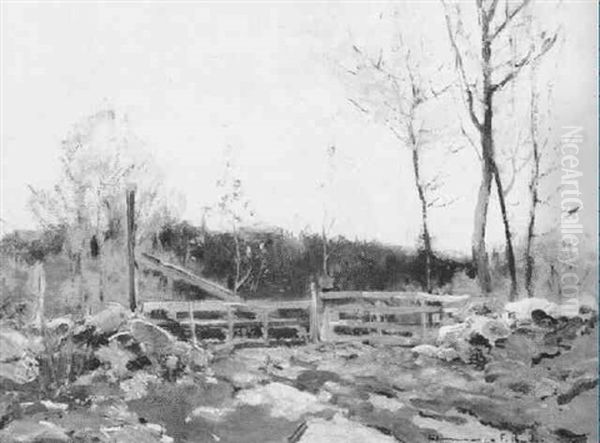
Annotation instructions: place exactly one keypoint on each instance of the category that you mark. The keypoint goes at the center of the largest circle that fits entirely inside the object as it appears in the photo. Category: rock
(446, 354)
(17, 357)
(522, 309)
(199, 358)
(313, 380)
(282, 400)
(135, 434)
(153, 339)
(110, 319)
(453, 336)
(460, 428)
(566, 436)
(211, 413)
(29, 431)
(60, 325)
(383, 402)
(580, 385)
(116, 357)
(238, 373)
(490, 328)
(540, 318)
(341, 430)
(137, 386)
(10, 409)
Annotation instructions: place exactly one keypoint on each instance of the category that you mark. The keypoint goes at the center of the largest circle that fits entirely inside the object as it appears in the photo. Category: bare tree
(328, 221)
(99, 156)
(479, 92)
(540, 150)
(406, 92)
(235, 207)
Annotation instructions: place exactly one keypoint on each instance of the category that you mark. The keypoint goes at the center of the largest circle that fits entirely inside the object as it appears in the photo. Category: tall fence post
(424, 325)
(130, 201)
(265, 326)
(314, 314)
(192, 323)
(229, 324)
(39, 286)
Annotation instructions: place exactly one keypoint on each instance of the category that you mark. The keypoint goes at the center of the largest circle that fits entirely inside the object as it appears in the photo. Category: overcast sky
(263, 78)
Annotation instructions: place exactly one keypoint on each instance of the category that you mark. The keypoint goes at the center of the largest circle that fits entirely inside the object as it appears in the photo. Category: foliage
(291, 262)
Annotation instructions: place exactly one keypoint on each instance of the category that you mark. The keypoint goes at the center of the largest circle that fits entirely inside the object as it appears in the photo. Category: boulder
(282, 400)
(522, 309)
(17, 357)
(29, 431)
(10, 409)
(341, 430)
(446, 354)
(109, 320)
(153, 339)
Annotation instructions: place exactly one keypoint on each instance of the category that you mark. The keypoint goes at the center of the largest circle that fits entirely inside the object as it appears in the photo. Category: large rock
(282, 400)
(116, 358)
(29, 431)
(17, 356)
(522, 309)
(446, 354)
(110, 319)
(341, 430)
(153, 339)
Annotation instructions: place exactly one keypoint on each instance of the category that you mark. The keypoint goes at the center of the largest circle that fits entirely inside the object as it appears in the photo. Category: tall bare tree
(493, 69)
(250, 260)
(405, 88)
(328, 220)
(542, 163)
(99, 156)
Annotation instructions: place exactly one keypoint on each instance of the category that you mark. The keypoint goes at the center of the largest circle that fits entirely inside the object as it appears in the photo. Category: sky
(265, 80)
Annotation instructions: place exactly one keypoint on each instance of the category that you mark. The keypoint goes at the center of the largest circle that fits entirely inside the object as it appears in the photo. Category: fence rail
(330, 316)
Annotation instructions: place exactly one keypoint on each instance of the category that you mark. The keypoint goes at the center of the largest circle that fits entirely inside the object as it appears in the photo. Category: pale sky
(263, 78)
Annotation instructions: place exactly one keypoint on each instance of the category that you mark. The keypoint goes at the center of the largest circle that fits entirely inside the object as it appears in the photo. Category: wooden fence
(329, 316)
(396, 316)
(257, 321)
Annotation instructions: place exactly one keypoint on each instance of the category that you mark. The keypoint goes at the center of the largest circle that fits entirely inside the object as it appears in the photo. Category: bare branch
(358, 106)
(517, 67)
(242, 281)
(528, 59)
(509, 18)
(470, 140)
(461, 69)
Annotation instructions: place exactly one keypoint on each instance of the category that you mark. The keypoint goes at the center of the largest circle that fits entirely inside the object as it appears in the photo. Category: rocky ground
(520, 374)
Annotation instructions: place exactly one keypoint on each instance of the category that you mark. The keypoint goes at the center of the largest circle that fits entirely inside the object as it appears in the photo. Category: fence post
(39, 284)
(314, 314)
(192, 324)
(265, 319)
(130, 201)
(229, 324)
(325, 325)
(424, 325)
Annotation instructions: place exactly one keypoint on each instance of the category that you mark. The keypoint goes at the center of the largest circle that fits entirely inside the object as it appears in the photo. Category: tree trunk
(487, 164)
(325, 252)
(238, 260)
(479, 252)
(510, 254)
(130, 201)
(529, 260)
(533, 192)
(423, 201)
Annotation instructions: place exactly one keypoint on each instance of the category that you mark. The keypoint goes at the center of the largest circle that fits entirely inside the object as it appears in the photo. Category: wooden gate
(393, 316)
(403, 317)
